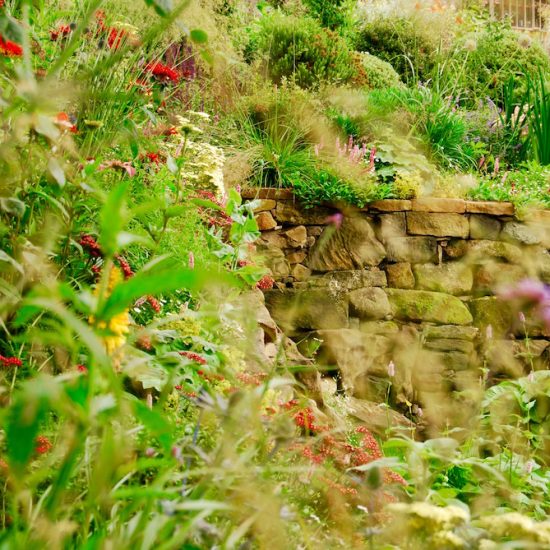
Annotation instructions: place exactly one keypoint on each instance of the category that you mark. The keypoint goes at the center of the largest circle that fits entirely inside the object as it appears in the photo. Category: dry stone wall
(408, 281)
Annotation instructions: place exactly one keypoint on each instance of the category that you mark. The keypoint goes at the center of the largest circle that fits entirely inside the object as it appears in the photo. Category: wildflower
(91, 246)
(531, 376)
(391, 369)
(194, 357)
(336, 219)
(125, 266)
(153, 157)
(64, 121)
(522, 317)
(489, 332)
(61, 31)
(144, 342)
(82, 369)
(126, 166)
(149, 452)
(191, 260)
(43, 445)
(163, 72)
(177, 453)
(470, 45)
(265, 283)
(9, 48)
(529, 466)
(115, 38)
(10, 361)
(497, 165)
(154, 303)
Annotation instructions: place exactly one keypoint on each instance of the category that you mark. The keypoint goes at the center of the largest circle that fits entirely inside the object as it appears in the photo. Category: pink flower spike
(191, 260)
(391, 369)
(336, 219)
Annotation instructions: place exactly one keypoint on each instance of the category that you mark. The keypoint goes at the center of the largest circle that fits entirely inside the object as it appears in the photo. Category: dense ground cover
(148, 399)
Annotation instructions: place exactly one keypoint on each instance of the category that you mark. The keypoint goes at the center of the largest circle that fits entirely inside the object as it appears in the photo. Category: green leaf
(162, 7)
(198, 36)
(112, 219)
(156, 423)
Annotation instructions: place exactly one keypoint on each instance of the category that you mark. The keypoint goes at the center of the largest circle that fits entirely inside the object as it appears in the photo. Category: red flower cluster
(125, 266)
(60, 32)
(91, 246)
(116, 37)
(43, 445)
(163, 72)
(154, 303)
(9, 48)
(249, 379)
(63, 120)
(193, 357)
(82, 368)
(265, 283)
(153, 157)
(10, 361)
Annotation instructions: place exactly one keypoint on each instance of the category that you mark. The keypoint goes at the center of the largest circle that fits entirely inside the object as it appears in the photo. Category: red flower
(125, 266)
(61, 31)
(9, 48)
(153, 157)
(194, 357)
(82, 368)
(10, 361)
(265, 283)
(91, 246)
(154, 303)
(43, 445)
(115, 38)
(63, 120)
(163, 72)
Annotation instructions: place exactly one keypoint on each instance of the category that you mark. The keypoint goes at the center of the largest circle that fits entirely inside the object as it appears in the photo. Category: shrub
(376, 73)
(300, 49)
(330, 14)
(411, 51)
(491, 57)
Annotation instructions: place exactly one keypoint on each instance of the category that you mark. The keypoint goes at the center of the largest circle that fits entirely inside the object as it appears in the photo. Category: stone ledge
(433, 204)
(492, 208)
(267, 193)
(391, 205)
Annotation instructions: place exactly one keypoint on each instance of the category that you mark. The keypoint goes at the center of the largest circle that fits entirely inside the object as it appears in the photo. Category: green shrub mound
(378, 74)
(494, 56)
(298, 48)
(400, 42)
(330, 14)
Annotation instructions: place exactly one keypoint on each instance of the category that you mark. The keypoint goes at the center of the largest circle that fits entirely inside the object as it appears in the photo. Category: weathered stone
(421, 305)
(450, 331)
(307, 309)
(492, 311)
(391, 205)
(297, 236)
(292, 213)
(274, 238)
(412, 249)
(481, 250)
(315, 230)
(379, 327)
(275, 261)
(452, 278)
(369, 303)
(400, 275)
(392, 225)
(450, 344)
(484, 227)
(296, 257)
(352, 246)
(454, 360)
(265, 221)
(301, 272)
(266, 193)
(522, 233)
(265, 205)
(433, 204)
(350, 280)
(437, 224)
(490, 208)
(310, 241)
(375, 417)
(491, 275)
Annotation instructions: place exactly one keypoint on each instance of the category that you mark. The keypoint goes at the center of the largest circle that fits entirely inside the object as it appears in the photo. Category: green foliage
(298, 48)
(539, 118)
(330, 14)
(377, 74)
(399, 41)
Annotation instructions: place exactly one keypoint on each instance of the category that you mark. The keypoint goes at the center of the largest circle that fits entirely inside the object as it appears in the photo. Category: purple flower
(336, 219)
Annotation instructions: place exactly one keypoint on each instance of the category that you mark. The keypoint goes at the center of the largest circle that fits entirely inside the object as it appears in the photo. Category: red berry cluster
(10, 361)
(43, 445)
(193, 357)
(265, 283)
(88, 243)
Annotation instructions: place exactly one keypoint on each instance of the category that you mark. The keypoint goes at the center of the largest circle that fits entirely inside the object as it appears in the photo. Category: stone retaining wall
(408, 281)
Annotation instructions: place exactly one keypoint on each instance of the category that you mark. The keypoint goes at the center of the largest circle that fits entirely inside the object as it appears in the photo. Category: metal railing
(525, 14)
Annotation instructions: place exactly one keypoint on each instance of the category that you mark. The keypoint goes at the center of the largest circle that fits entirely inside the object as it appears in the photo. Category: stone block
(265, 205)
(450, 344)
(296, 257)
(437, 224)
(491, 208)
(265, 221)
(452, 278)
(379, 327)
(492, 311)
(422, 305)
(267, 193)
(297, 236)
(522, 233)
(391, 205)
(400, 275)
(273, 238)
(455, 360)
(291, 213)
(391, 226)
(434, 204)
(484, 227)
(343, 281)
(275, 261)
(300, 272)
(412, 249)
(295, 310)
(354, 245)
(369, 303)
(492, 275)
(450, 331)
(480, 251)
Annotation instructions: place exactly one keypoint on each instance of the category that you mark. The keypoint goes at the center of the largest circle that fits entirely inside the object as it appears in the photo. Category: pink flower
(522, 317)
(336, 219)
(191, 260)
(391, 369)
(489, 332)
